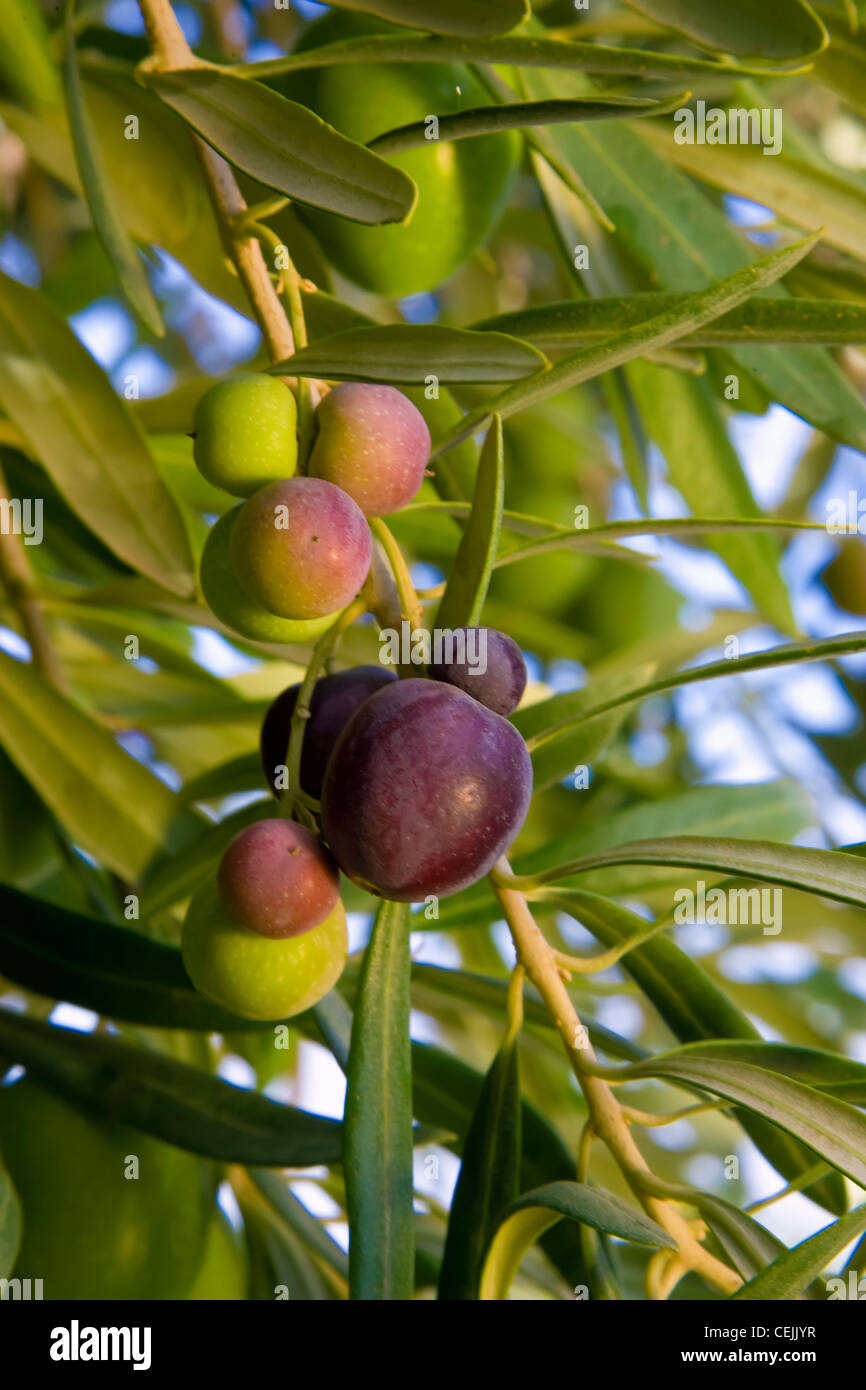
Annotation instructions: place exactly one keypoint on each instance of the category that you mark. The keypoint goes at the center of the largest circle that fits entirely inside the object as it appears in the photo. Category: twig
(18, 581)
(609, 1123)
(170, 51)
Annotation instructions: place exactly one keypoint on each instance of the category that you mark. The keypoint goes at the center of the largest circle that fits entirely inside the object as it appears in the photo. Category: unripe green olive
(246, 433)
(257, 976)
(233, 605)
(92, 1229)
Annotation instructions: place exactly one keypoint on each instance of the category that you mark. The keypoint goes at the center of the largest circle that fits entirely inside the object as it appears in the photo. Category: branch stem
(17, 578)
(608, 1120)
(170, 51)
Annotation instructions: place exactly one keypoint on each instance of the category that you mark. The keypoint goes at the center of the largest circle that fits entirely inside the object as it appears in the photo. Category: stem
(410, 608)
(301, 712)
(20, 586)
(290, 281)
(609, 1123)
(171, 51)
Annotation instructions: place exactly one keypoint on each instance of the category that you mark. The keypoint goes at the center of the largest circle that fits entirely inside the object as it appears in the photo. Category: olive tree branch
(608, 1121)
(17, 577)
(170, 51)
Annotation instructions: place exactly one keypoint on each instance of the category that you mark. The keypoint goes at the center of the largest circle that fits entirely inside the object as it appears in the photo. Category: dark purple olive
(335, 700)
(424, 791)
(485, 663)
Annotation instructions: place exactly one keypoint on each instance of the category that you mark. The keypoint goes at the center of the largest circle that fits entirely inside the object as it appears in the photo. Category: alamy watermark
(729, 907)
(846, 516)
(737, 125)
(443, 646)
(22, 516)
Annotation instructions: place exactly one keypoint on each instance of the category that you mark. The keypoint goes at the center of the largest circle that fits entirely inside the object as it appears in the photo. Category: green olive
(258, 976)
(245, 433)
(463, 185)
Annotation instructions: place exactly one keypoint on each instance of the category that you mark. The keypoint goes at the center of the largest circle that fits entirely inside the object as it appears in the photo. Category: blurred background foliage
(774, 755)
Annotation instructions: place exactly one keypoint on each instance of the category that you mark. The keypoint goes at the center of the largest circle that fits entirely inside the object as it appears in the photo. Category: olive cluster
(418, 784)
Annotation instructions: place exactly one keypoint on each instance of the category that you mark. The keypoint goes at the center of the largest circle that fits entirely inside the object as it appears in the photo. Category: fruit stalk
(170, 51)
(301, 713)
(608, 1120)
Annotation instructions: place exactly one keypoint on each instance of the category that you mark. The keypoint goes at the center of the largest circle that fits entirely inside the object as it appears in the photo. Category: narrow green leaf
(10, 1223)
(793, 186)
(682, 414)
(749, 1246)
(582, 740)
(589, 538)
(466, 590)
(512, 51)
(834, 1130)
(702, 307)
(178, 1103)
(446, 1092)
(285, 146)
(26, 62)
(782, 29)
(533, 1213)
(828, 872)
(791, 653)
(64, 405)
(778, 810)
(408, 354)
(489, 1176)
(571, 323)
(825, 1071)
(377, 1156)
(518, 115)
(113, 970)
(107, 221)
(679, 239)
(308, 1227)
(111, 805)
(446, 16)
(792, 1272)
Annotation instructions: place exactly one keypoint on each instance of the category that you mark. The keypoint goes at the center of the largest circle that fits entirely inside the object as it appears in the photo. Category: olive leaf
(377, 1157)
(285, 146)
(173, 1101)
(466, 590)
(100, 198)
(409, 354)
(535, 1212)
(446, 16)
(86, 439)
(782, 29)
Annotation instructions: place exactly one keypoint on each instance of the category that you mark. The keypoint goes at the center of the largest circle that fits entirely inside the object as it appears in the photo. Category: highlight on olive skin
(373, 443)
